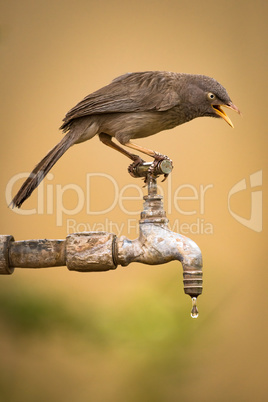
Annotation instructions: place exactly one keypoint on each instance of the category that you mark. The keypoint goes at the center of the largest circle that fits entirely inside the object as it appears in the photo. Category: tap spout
(157, 244)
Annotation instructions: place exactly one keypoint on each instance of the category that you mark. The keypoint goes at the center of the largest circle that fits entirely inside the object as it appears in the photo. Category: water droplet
(194, 312)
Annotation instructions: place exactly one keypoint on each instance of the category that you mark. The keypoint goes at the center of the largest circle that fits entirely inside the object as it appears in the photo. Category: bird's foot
(154, 168)
(138, 161)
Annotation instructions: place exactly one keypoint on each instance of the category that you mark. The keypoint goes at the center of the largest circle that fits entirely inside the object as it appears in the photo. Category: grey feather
(129, 93)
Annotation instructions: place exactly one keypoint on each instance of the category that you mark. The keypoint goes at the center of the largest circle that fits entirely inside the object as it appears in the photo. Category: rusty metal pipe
(37, 253)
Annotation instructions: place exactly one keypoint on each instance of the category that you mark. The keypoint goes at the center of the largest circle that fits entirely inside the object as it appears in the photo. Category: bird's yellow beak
(221, 113)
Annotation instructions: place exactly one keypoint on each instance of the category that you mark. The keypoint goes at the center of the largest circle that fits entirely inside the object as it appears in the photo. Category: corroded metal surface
(37, 253)
(163, 167)
(157, 244)
(5, 268)
(90, 251)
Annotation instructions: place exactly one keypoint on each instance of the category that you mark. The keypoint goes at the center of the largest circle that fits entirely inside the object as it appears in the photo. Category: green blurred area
(144, 348)
(136, 351)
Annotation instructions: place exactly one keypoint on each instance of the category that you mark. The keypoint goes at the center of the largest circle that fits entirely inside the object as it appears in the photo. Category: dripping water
(194, 311)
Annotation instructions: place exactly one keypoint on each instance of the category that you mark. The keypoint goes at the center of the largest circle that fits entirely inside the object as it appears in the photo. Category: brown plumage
(134, 105)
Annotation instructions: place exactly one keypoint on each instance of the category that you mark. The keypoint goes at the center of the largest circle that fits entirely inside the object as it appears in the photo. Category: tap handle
(163, 167)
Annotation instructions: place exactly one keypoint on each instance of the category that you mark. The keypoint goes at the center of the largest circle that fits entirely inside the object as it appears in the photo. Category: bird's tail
(41, 170)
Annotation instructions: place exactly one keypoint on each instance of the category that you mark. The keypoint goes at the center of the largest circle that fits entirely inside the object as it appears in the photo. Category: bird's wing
(131, 92)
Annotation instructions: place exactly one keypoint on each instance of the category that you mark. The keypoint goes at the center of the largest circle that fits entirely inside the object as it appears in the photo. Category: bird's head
(208, 97)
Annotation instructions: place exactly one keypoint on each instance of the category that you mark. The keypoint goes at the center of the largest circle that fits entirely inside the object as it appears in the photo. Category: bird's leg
(156, 155)
(107, 140)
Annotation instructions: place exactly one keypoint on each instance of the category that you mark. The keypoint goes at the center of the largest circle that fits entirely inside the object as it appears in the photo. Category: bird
(134, 105)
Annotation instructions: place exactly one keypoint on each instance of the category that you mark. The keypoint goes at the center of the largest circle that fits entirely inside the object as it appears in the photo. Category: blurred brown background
(127, 335)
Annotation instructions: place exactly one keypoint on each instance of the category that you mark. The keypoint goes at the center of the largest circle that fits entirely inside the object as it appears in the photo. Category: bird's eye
(211, 95)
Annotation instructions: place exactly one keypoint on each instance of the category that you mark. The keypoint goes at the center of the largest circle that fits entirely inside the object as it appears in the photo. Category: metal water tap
(102, 251)
(157, 244)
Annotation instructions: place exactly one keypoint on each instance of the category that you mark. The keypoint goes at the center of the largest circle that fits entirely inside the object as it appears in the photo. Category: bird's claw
(152, 171)
(131, 169)
(165, 177)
